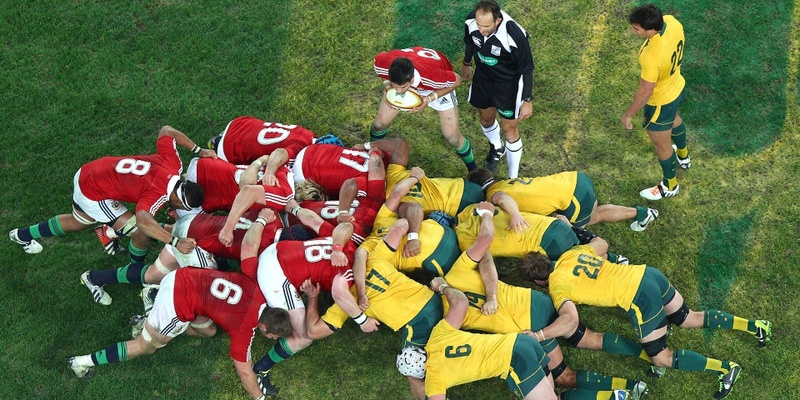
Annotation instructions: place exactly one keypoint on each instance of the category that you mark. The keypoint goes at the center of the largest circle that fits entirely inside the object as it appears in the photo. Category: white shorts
(163, 317)
(444, 103)
(103, 211)
(279, 292)
(221, 145)
(197, 258)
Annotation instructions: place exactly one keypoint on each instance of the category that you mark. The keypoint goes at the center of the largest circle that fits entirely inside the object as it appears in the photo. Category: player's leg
(380, 127)
(529, 375)
(202, 326)
(510, 128)
(452, 133)
(659, 121)
(679, 314)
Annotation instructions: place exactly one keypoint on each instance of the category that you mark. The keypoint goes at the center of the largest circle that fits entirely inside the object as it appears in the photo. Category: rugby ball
(403, 102)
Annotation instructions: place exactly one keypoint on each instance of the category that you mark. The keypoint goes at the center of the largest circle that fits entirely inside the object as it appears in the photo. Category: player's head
(274, 323)
(536, 268)
(487, 16)
(296, 232)
(186, 195)
(309, 190)
(401, 74)
(442, 218)
(421, 276)
(214, 142)
(646, 20)
(481, 177)
(411, 362)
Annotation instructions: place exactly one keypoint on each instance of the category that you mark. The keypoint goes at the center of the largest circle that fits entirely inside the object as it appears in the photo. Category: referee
(503, 79)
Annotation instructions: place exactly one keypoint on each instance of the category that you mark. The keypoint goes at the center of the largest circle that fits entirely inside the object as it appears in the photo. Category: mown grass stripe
(585, 78)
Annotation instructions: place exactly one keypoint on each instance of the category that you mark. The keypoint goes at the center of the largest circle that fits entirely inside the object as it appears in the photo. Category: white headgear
(411, 362)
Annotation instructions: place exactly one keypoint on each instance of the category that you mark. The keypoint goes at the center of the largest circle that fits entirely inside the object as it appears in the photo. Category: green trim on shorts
(654, 291)
(664, 114)
(445, 255)
(472, 194)
(557, 239)
(417, 331)
(528, 365)
(585, 197)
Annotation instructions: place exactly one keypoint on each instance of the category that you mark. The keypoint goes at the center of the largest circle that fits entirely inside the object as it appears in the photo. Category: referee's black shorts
(505, 96)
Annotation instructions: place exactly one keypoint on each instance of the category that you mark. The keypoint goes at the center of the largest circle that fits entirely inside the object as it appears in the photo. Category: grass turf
(82, 80)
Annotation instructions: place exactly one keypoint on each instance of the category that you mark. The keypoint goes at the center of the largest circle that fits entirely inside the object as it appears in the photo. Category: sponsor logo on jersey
(490, 61)
(477, 41)
(506, 113)
(495, 50)
(115, 204)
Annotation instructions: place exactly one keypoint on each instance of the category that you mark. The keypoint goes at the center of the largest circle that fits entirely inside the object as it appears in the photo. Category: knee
(567, 379)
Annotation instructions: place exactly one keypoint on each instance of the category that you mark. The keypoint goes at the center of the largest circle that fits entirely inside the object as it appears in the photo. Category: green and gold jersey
(543, 195)
(444, 194)
(584, 278)
(514, 303)
(456, 357)
(438, 248)
(394, 299)
(506, 243)
(660, 58)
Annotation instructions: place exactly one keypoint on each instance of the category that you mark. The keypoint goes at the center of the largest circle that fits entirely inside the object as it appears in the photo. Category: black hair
(194, 194)
(401, 71)
(647, 16)
(490, 6)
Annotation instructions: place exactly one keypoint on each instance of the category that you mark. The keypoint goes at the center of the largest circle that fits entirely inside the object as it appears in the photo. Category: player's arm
(250, 175)
(564, 326)
(252, 241)
(340, 291)
(341, 235)
(360, 278)
(643, 93)
(488, 272)
(306, 217)
(509, 205)
(402, 187)
(347, 193)
(150, 227)
(247, 196)
(469, 51)
(184, 141)
(276, 159)
(248, 378)
(316, 328)
(455, 298)
(525, 66)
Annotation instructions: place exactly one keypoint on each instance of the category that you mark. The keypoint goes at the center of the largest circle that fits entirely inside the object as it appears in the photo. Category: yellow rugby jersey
(430, 237)
(431, 193)
(660, 58)
(506, 243)
(543, 195)
(456, 357)
(584, 278)
(514, 303)
(394, 299)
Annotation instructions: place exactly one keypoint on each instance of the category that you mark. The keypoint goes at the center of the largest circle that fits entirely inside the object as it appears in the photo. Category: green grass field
(83, 79)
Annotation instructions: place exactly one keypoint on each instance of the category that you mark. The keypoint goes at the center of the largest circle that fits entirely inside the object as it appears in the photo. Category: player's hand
(310, 289)
(417, 172)
(207, 153)
(270, 180)
(489, 307)
(518, 224)
(243, 223)
(268, 214)
(436, 283)
(387, 84)
(370, 326)
(466, 72)
(225, 237)
(412, 248)
(425, 102)
(186, 245)
(626, 122)
(485, 205)
(363, 302)
(525, 111)
(338, 258)
(345, 217)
